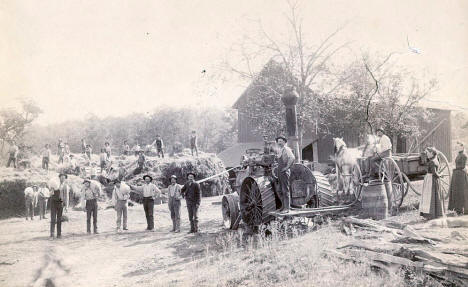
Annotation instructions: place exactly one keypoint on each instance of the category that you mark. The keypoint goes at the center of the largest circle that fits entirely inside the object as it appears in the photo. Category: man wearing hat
(107, 149)
(136, 149)
(126, 148)
(83, 146)
(120, 196)
(30, 198)
(13, 154)
(93, 171)
(43, 196)
(89, 196)
(141, 160)
(159, 145)
(46, 155)
(285, 159)
(193, 142)
(192, 194)
(59, 200)
(88, 151)
(149, 192)
(383, 150)
(74, 167)
(174, 194)
(60, 151)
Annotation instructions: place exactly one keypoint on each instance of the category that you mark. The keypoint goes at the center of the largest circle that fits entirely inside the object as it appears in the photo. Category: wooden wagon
(400, 170)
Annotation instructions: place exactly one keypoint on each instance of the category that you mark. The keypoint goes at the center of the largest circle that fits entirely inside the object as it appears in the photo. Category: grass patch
(290, 256)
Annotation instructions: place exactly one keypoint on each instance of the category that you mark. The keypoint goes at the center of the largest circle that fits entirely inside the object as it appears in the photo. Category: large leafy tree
(378, 93)
(334, 99)
(294, 62)
(13, 122)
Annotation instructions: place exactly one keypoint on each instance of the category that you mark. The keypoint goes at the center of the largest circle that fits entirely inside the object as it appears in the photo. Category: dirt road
(136, 257)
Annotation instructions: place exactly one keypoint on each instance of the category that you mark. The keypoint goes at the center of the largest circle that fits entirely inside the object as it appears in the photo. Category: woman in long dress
(458, 193)
(431, 205)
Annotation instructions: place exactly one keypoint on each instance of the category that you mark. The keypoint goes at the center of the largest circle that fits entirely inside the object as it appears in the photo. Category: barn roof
(441, 105)
(272, 64)
(267, 68)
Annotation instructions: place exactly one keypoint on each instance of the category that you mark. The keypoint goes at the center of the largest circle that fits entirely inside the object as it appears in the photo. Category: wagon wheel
(256, 204)
(389, 171)
(445, 174)
(409, 185)
(230, 209)
(356, 181)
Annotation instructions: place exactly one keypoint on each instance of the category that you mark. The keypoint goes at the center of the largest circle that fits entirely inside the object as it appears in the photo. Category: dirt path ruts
(108, 258)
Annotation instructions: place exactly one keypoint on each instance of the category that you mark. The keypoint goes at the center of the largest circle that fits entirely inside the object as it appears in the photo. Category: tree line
(216, 130)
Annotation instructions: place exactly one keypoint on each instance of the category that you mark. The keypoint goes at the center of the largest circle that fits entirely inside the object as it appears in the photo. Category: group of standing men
(36, 196)
(64, 154)
(149, 191)
(91, 191)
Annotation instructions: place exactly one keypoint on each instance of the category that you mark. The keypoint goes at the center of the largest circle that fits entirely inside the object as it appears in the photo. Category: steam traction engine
(257, 196)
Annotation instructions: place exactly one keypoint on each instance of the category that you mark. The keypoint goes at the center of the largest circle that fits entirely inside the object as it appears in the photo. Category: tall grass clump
(285, 254)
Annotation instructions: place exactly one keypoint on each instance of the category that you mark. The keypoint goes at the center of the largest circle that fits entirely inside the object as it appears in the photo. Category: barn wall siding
(441, 138)
(245, 133)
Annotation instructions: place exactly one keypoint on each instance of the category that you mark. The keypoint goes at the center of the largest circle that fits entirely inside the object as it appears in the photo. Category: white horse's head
(339, 144)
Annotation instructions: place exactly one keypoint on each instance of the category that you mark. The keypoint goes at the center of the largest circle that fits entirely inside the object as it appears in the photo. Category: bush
(12, 201)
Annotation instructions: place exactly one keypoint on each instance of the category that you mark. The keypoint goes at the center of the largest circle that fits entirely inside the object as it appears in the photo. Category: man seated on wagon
(383, 149)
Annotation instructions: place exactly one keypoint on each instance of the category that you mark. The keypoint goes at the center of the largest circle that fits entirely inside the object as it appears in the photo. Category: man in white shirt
(174, 196)
(74, 167)
(384, 145)
(30, 196)
(120, 196)
(149, 191)
(384, 149)
(43, 196)
(89, 195)
(46, 155)
(93, 171)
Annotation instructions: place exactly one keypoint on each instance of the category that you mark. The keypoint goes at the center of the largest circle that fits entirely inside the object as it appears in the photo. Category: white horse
(345, 160)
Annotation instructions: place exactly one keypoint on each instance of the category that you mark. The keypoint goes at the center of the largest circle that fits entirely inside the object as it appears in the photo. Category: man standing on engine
(285, 159)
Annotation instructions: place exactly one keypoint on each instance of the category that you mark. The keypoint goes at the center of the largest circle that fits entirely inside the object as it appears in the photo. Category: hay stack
(205, 165)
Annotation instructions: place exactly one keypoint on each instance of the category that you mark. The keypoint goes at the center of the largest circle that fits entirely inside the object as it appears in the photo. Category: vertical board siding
(441, 138)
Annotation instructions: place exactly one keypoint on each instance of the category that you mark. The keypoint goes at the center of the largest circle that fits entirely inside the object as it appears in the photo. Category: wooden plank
(309, 212)
(445, 259)
(386, 258)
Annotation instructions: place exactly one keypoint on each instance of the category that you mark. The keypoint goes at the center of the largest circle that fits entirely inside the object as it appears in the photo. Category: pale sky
(118, 57)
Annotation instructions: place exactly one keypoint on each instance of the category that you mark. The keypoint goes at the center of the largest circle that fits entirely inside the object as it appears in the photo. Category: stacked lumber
(402, 246)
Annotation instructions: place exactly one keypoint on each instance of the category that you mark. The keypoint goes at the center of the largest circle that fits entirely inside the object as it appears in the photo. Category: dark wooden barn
(319, 147)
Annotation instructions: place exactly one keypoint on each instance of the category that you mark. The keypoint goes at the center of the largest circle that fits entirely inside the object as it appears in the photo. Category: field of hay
(14, 181)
